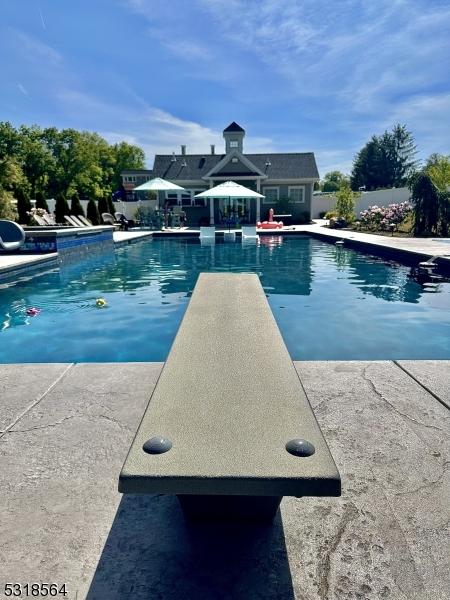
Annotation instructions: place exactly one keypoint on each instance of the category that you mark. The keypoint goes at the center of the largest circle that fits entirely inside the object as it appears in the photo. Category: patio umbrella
(229, 189)
(157, 184)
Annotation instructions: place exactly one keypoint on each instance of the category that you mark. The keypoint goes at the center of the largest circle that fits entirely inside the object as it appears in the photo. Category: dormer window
(234, 159)
(234, 144)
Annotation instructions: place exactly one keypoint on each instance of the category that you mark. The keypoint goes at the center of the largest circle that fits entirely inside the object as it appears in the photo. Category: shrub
(111, 207)
(61, 208)
(345, 203)
(92, 212)
(380, 217)
(41, 202)
(331, 214)
(103, 206)
(7, 209)
(322, 214)
(303, 218)
(75, 206)
(23, 206)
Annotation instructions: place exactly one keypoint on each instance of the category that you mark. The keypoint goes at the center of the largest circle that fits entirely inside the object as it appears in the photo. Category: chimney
(174, 158)
(183, 150)
(213, 149)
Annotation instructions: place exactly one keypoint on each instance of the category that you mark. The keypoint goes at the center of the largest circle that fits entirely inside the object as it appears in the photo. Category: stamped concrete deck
(65, 430)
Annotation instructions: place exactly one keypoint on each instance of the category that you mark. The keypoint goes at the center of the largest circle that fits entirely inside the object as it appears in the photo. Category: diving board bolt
(157, 445)
(299, 447)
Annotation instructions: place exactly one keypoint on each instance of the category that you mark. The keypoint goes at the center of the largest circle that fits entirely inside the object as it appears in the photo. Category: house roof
(282, 166)
(233, 127)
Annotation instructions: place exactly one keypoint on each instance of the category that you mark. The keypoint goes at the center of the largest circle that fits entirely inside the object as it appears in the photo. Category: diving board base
(229, 508)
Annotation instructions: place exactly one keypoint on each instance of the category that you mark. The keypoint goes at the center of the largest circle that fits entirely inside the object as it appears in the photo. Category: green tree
(425, 200)
(103, 205)
(385, 161)
(61, 208)
(126, 156)
(23, 206)
(111, 207)
(333, 181)
(92, 212)
(7, 210)
(438, 168)
(35, 158)
(345, 203)
(41, 202)
(76, 207)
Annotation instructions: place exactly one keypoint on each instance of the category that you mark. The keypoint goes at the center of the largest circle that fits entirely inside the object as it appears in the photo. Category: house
(285, 179)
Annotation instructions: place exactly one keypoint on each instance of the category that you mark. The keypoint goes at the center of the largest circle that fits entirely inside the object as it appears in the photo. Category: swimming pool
(330, 302)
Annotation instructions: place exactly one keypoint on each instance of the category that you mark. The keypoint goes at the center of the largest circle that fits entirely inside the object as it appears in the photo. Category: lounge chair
(71, 221)
(12, 236)
(108, 219)
(40, 221)
(85, 221)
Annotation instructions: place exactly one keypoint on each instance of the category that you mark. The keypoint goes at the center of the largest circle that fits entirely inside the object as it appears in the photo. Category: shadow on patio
(151, 552)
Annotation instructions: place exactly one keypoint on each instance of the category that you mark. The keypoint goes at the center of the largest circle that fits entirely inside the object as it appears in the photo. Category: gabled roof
(282, 166)
(232, 127)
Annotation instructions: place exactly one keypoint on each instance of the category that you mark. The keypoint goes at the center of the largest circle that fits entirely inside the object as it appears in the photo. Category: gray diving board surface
(228, 402)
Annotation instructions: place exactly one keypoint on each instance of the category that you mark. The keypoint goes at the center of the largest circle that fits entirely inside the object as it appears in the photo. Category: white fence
(326, 202)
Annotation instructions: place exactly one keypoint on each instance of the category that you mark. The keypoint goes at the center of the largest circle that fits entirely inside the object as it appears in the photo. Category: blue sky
(305, 75)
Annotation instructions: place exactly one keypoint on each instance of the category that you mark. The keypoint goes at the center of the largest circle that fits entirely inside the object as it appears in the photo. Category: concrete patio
(64, 433)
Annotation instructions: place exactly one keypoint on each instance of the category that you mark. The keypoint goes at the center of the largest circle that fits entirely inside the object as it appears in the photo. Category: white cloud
(22, 89)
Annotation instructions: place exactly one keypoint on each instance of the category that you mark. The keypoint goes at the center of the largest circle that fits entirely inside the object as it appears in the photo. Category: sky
(317, 76)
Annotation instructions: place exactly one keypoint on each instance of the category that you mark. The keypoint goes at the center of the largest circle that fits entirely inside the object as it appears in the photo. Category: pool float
(101, 302)
(33, 311)
(270, 224)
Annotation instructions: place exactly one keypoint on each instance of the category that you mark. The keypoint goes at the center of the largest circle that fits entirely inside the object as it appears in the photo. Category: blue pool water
(330, 303)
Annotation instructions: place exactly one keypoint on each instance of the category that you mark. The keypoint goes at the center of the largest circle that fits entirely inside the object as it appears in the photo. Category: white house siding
(378, 198)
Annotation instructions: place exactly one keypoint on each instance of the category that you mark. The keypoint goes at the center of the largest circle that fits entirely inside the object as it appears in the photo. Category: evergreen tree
(103, 205)
(23, 206)
(111, 207)
(385, 161)
(7, 210)
(92, 212)
(41, 202)
(61, 208)
(425, 199)
(75, 206)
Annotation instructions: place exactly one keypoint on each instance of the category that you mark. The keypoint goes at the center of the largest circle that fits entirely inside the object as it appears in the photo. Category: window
(186, 198)
(271, 195)
(234, 144)
(234, 159)
(297, 195)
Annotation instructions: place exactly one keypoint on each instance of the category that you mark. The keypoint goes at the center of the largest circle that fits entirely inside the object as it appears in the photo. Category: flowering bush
(381, 217)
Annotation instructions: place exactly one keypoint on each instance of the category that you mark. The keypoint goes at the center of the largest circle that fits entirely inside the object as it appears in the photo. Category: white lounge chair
(12, 236)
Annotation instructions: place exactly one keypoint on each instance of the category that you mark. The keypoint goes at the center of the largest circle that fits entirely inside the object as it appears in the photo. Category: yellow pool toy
(101, 302)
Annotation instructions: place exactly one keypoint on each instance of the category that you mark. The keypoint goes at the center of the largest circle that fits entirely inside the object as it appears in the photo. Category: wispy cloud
(22, 89)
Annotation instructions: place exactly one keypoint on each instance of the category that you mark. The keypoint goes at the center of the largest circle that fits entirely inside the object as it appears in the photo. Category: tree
(23, 206)
(111, 207)
(126, 156)
(438, 168)
(103, 205)
(425, 199)
(333, 181)
(61, 208)
(345, 203)
(35, 158)
(75, 206)
(92, 212)
(7, 210)
(385, 161)
(41, 202)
